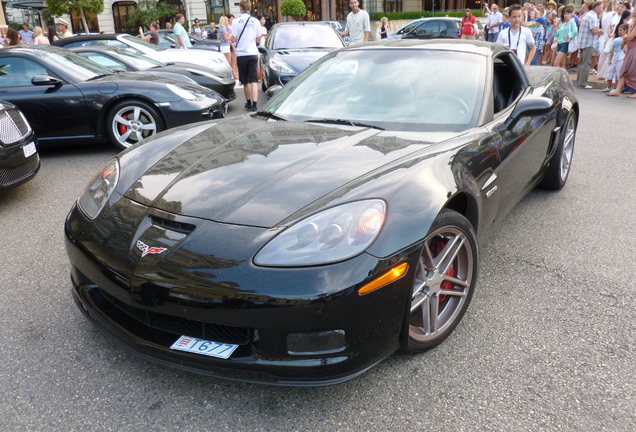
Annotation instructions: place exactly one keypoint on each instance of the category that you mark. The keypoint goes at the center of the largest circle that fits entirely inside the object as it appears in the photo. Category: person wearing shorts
(246, 35)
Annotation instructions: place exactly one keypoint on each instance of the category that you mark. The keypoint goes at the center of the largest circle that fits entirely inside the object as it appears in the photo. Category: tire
(130, 121)
(559, 168)
(443, 283)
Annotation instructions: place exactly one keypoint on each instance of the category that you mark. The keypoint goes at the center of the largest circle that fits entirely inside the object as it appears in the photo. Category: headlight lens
(182, 93)
(280, 66)
(99, 190)
(333, 235)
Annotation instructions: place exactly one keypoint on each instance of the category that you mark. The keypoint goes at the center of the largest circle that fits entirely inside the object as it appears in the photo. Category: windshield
(139, 62)
(395, 89)
(141, 44)
(80, 68)
(306, 36)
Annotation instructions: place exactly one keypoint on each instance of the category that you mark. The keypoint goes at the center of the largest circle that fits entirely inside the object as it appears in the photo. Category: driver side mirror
(530, 106)
(271, 91)
(45, 80)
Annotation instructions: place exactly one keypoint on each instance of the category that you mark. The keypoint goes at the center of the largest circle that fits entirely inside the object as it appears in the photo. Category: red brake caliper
(122, 127)
(451, 272)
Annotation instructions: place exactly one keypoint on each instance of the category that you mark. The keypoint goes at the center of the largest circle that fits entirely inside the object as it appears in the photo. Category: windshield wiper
(344, 122)
(271, 115)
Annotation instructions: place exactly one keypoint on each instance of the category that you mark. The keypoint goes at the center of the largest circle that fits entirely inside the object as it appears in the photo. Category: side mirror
(45, 80)
(271, 91)
(262, 50)
(530, 106)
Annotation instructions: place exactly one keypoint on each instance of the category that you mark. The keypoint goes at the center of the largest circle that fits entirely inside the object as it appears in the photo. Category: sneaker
(248, 106)
(607, 89)
(253, 108)
(593, 71)
(585, 87)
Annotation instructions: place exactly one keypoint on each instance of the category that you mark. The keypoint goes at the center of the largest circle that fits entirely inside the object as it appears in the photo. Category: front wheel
(131, 121)
(561, 162)
(444, 281)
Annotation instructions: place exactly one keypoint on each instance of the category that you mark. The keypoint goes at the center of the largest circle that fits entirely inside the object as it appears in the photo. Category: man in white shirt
(517, 37)
(246, 33)
(493, 22)
(358, 26)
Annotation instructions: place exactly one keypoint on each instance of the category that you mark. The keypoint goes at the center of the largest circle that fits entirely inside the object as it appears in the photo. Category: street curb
(593, 80)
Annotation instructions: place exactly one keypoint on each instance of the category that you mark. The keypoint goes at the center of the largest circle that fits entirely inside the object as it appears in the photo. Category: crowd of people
(598, 39)
(37, 36)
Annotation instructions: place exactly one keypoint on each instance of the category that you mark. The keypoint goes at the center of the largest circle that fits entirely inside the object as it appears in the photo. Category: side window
(17, 71)
(506, 85)
(103, 60)
(430, 29)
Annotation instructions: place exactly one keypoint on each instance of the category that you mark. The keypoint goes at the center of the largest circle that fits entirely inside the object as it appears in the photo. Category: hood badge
(145, 249)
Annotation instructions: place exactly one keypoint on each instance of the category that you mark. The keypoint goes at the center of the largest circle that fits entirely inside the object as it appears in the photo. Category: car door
(430, 29)
(54, 111)
(522, 141)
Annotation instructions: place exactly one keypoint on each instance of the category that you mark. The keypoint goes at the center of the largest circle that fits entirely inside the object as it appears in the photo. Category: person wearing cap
(539, 40)
(26, 34)
(62, 27)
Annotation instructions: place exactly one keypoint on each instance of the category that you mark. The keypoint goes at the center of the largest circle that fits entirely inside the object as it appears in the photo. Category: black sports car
(68, 99)
(121, 59)
(307, 242)
(19, 158)
(291, 47)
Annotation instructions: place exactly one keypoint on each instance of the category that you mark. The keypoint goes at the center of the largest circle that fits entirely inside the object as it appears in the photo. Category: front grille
(10, 176)
(13, 126)
(182, 326)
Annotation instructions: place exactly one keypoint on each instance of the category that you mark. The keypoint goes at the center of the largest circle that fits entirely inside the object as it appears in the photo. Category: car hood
(300, 59)
(251, 171)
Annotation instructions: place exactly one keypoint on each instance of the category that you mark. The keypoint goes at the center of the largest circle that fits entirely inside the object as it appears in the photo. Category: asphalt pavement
(548, 343)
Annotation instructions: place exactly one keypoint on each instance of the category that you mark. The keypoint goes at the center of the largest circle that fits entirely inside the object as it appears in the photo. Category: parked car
(121, 59)
(404, 29)
(435, 28)
(69, 99)
(215, 61)
(306, 242)
(291, 47)
(167, 39)
(19, 158)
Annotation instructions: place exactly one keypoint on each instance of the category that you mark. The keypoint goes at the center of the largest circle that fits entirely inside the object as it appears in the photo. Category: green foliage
(415, 15)
(150, 10)
(63, 7)
(293, 8)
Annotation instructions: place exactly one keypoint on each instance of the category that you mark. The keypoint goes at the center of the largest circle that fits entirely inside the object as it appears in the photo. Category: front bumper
(15, 168)
(149, 305)
(184, 112)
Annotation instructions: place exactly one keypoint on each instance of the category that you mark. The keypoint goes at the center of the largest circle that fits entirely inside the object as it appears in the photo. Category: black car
(306, 242)
(435, 28)
(19, 158)
(291, 47)
(167, 39)
(68, 99)
(122, 59)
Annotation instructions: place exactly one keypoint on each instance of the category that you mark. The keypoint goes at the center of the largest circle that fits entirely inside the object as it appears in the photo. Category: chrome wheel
(132, 121)
(568, 147)
(443, 282)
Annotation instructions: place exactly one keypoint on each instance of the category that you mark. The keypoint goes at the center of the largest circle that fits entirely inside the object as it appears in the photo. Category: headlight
(280, 66)
(101, 187)
(182, 93)
(333, 235)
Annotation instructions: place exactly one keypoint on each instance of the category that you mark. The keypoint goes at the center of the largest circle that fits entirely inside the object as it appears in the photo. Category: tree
(150, 10)
(295, 8)
(62, 7)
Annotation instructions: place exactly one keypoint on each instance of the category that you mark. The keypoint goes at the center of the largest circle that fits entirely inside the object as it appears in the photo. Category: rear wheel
(561, 162)
(131, 121)
(444, 281)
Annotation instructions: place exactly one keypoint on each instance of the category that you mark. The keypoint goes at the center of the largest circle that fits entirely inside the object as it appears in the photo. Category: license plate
(29, 149)
(200, 346)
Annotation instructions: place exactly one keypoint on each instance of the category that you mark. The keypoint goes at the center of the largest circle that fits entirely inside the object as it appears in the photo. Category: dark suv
(436, 28)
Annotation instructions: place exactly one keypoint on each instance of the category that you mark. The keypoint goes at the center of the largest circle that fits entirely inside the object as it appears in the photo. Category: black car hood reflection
(144, 77)
(250, 171)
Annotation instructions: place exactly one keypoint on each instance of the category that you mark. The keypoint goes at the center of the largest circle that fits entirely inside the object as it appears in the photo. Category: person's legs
(619, 87)
(584, 66)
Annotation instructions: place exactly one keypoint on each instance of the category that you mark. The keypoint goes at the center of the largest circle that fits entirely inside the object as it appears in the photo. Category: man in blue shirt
(26, 34)
(183, 39)
(588, 31)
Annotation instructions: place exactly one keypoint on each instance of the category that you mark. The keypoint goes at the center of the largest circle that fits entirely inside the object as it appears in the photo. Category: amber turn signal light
(393, 274)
